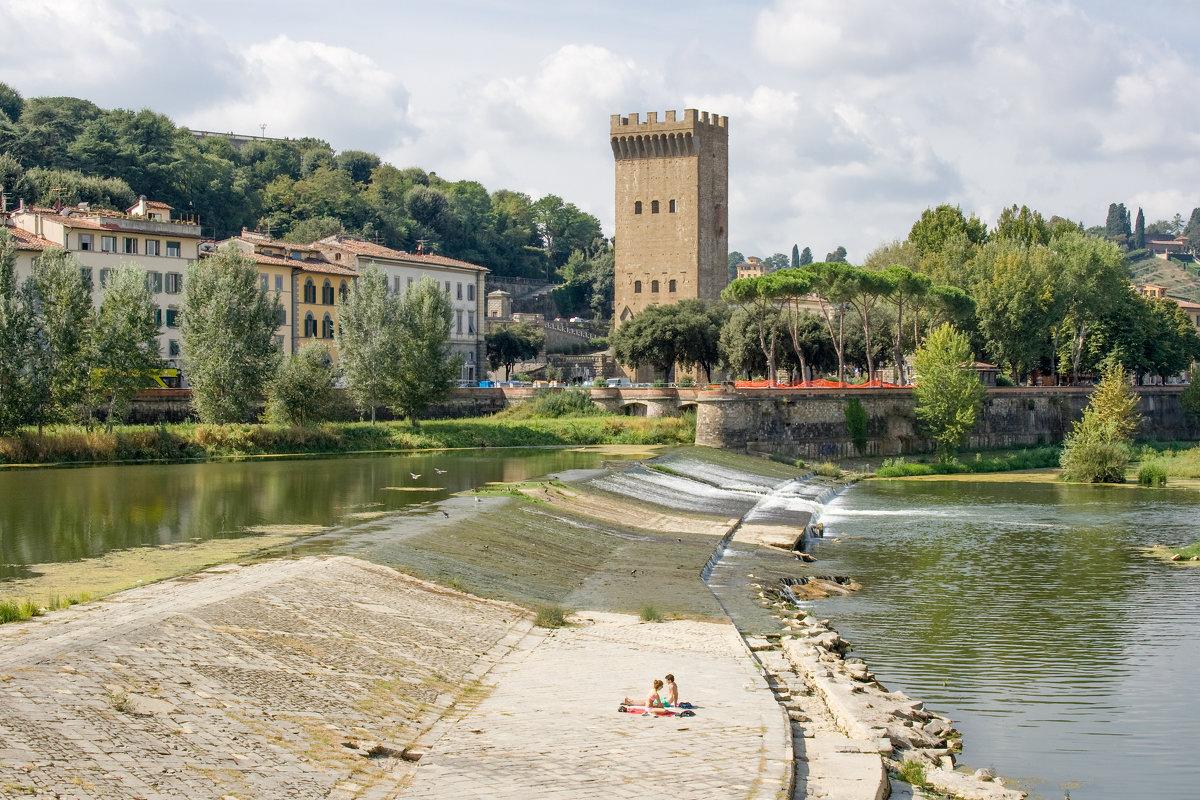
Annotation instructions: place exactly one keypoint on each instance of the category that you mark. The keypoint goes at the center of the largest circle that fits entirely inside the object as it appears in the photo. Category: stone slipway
(336, 678)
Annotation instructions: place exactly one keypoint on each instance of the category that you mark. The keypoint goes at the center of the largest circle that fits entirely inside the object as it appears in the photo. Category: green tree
(1092, 276)
(11, 102)
(16, 338)
(1018, 303)
(698, 326)
(871, 287)
(795, 256)
(126, 344)
(1190, 397)
(789, 291)
(1139, 231)
(302, 391)
(735, 258)
(228, 328)
(427, 369)
(835, 285)
(1192, 231)
(908, 288)
(806, 256)
(948, 392)
(1021, 226)
(776, 262)
(939, 226)
(512, 343)
(649, 338)
(368, 340)
(1096, 449)
(1116, 226)
(762, 307)
(837, 256)
(856, 424)
(63, 324)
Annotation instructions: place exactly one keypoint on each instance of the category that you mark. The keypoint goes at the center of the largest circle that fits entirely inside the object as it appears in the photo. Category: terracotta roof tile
(28, 241)
(361, 247)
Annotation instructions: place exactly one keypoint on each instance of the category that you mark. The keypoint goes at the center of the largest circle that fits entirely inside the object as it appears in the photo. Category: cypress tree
(795, 256)
(1139, 231)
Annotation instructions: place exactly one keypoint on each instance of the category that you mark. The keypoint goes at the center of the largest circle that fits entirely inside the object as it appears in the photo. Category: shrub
(600, 383)
(551, 617)
(912, 772)
(828, 470)
(1152, 475)
(301, 392)
(552, 404)
(687, 380)
(1092, 453)
(856, 423)
(651, 614)
(1190, 397)
(1004, 381)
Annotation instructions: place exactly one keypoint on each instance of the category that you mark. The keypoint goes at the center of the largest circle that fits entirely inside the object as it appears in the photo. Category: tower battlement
(691, 118)
(671, 137)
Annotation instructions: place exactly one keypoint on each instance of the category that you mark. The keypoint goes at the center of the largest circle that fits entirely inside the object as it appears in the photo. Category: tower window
(671, 206)
(653, 206)
(671, 284)
(654, 286)
(637, 207)
(637, 287)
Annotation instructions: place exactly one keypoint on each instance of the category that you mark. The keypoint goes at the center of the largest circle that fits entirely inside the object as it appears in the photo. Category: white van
(619, 383)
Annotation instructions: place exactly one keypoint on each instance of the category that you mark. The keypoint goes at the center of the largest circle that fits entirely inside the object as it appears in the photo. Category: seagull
(439, 471)
(414, 475)
(446, 514)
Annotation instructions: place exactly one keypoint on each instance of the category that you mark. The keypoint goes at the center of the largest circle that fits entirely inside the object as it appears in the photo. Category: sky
(847, 118)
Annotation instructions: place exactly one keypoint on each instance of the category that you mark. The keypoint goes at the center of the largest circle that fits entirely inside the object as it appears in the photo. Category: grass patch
(191, 441)
(828, 470)
(651, 614)
(551, 617)
(1174, 460)
(1033, 458)
(1152, 475)
(912, 772)
(553, 404)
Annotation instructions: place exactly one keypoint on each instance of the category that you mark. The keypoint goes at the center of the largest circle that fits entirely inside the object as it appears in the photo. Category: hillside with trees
(66, 150)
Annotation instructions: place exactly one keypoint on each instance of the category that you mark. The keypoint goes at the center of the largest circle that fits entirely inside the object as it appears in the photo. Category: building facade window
(458, 322)
(172, 317)
(172, 347)
(104, 273)
(637, 207)
(86, 242)
(343, 290)
(154, 282)
(447, 288)
(129, 245)
(262, 281)
(85, 275)
(637, 287)
(671, 286)
(396, 284)
(279, 283)
(281, 317)
(158, 317)
(310, 291)
(310, 325)
(471, 292)
(653, 206)
(174, 282)
(174, 250)
(654, 287)
(671, 207)
(326, 327)
(327, 293)
(410, 281)
(108, 244)
(470, 322)
(153, 247)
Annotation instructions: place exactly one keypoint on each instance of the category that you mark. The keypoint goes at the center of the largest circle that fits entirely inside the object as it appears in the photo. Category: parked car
(617, 383)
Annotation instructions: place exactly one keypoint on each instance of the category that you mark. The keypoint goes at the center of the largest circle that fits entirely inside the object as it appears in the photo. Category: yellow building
(144, 236)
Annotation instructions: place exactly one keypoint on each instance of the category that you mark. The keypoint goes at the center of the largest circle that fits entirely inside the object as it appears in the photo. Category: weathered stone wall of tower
(672, 198)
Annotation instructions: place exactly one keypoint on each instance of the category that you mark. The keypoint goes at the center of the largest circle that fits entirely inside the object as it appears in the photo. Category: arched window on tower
(653, 206)
(637, 287)
(654, 287)
(671, 286)
(637, 206)
(671, 207)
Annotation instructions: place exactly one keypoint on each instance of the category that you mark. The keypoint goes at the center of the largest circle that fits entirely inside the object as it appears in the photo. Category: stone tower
(672, 198)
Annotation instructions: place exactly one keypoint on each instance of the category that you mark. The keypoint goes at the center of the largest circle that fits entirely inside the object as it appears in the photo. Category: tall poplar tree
(15, 335)
(228, 327)
(126, 344)
(948, 392)
(63, 326)
(368, 340)
(427, 368)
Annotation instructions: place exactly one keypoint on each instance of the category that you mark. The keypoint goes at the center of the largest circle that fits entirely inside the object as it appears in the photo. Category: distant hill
(1180, 276)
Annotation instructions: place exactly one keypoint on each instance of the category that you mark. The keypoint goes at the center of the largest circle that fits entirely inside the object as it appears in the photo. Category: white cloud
(301, 88)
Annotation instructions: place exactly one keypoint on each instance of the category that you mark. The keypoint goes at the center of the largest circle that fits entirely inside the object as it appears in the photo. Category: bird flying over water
(414, 475)
(439, 471)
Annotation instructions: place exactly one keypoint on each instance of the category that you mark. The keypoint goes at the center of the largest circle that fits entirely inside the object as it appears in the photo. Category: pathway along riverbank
(329, 676)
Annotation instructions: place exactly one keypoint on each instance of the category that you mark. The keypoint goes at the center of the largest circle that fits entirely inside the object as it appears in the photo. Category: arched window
(671, 207)
(326, 327)
(310, 291)
(637, 207)
(653, 206)
(342, 290)
(637, 287)
(327, 293)
(310, 325)
(670, 286)
(654, 286)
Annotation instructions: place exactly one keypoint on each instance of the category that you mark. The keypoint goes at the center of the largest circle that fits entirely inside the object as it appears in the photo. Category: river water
(1025, 611)
(1028, 613)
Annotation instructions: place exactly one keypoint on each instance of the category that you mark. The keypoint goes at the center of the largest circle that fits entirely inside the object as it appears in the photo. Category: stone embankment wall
(812, 424)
